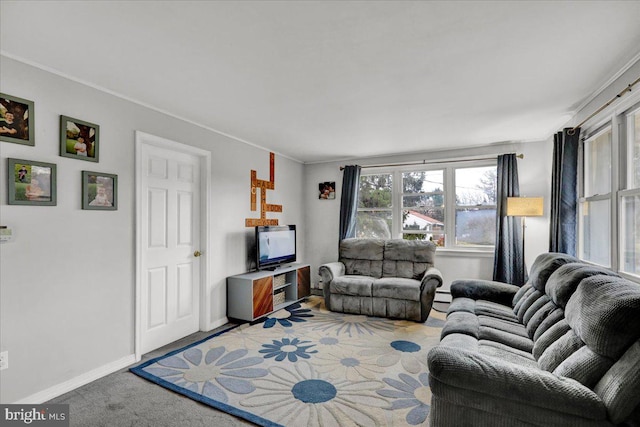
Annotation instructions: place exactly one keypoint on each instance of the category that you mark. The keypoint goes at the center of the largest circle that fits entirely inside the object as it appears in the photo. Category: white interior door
(169, 270)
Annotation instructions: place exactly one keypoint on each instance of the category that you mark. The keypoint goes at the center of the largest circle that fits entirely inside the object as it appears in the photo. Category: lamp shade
(524, 206)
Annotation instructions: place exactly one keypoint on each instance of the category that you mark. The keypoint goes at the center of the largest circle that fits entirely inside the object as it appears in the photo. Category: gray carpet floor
(123, 399)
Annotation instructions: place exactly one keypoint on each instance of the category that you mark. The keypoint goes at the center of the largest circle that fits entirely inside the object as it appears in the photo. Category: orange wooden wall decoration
(263, 186)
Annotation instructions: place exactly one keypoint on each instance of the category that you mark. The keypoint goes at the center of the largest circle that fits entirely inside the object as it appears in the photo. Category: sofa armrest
(489, 290)
(431, 278)
(506, 381)
(330, 271)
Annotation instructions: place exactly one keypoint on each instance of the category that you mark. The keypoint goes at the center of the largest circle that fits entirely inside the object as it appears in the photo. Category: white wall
(67, 280)
(322, 216)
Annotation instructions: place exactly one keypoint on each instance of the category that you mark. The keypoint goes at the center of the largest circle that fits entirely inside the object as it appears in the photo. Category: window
(630, 200)
(595, 205)
(609, 212)
(375, 206)
(423, 206)
(476, 206)
(633, 131)
(430, 204)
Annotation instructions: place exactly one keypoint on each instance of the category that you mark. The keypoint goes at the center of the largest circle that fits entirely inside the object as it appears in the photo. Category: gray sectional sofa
(387, 278)
(563, 350)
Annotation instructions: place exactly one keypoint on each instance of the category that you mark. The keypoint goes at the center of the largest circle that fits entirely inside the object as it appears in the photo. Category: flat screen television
(275, 245)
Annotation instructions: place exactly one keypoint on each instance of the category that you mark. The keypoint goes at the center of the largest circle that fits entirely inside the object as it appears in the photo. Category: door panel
(170, 216)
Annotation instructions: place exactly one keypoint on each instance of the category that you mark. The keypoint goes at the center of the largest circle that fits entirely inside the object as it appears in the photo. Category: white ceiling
(318, 81)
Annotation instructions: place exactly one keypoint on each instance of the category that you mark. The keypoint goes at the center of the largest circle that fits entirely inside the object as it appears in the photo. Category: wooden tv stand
(251, 295)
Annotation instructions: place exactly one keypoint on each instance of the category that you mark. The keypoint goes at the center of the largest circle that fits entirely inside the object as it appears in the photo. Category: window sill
(465, 253)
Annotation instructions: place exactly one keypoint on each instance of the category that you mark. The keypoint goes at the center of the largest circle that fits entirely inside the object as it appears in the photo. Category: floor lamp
(524, 207)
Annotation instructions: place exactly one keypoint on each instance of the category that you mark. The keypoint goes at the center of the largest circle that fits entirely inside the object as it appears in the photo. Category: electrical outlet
(4, 360)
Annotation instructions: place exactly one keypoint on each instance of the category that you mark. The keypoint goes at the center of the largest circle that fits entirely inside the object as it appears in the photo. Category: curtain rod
(425, 162)
(626, 89)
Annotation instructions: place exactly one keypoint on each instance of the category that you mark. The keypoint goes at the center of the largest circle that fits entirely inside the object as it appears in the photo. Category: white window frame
(584, 199)
(628, 190)
(450, 206)
(618, 116)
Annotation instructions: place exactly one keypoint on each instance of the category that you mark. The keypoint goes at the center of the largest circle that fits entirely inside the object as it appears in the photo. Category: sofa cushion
(564, 281)
(396, 288)
(363, 267)
(584, 366)
(619, 388)
(408, 259)
(544, 265)
(604, 312)
(409, 250)
(462, 304)
(551, 335)
(371, 249)
(482, 308)
(521, 292)
(502, 325)
(506, 353)
(559, 350)
(516, 341)
(550, 319)
(527, 301)
(461, 322)
(352, 285)
(492, 309)
(362, 256)
(539, 317)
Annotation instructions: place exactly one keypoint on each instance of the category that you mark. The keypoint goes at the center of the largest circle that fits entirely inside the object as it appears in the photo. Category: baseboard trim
(220, 322)
(79, 381)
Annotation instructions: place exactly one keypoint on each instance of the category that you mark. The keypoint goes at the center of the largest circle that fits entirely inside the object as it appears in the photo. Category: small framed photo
(327, 190)
(79, 139)
(16, 120)
(99, 191)
(32, 183)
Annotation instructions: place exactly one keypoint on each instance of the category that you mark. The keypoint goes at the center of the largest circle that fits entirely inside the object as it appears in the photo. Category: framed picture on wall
(327, 190)
(31, 183)
(79, 139)
(16, 120)
(99, 191)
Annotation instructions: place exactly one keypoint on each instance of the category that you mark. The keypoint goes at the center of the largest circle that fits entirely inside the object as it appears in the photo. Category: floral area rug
(306, 366)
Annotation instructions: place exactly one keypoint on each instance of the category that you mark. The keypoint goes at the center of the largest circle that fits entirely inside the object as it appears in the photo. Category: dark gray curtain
(508, 265)
(349, 201)
(564, 193)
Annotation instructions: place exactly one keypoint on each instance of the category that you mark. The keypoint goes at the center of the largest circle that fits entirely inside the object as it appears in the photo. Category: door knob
(197, 254)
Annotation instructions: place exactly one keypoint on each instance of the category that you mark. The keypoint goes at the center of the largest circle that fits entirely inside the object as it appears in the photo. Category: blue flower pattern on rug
(409, 392)
(306, 366)
(212, 374)
(285, 317)
(287, 349)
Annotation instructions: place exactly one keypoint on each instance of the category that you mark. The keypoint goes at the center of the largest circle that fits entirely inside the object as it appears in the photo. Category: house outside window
(423, 206)
(431, 204)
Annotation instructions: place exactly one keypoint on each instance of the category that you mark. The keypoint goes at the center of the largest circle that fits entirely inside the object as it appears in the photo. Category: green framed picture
(16, 120)
(31, 183)
(99, 191)
(79, 139)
